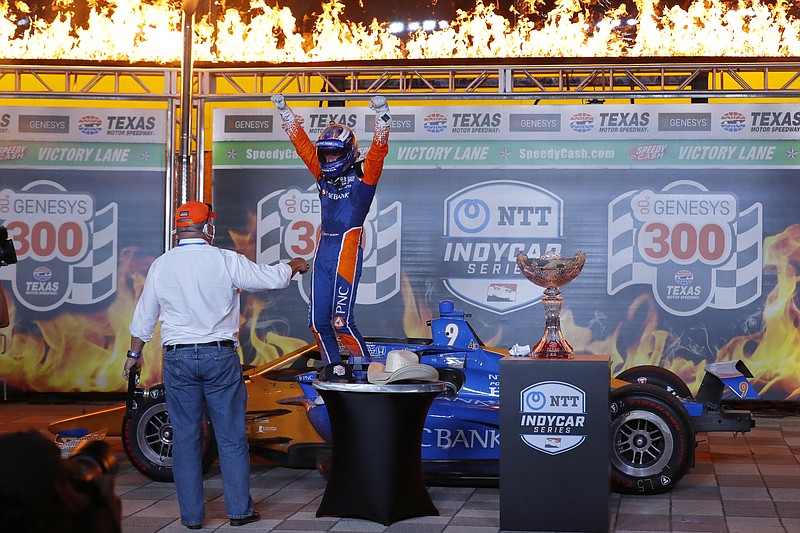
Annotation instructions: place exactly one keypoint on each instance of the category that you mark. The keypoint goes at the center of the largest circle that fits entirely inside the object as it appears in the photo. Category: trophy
(551, 271)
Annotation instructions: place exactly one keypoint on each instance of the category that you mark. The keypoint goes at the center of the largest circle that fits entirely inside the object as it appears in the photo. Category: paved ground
(741, 484)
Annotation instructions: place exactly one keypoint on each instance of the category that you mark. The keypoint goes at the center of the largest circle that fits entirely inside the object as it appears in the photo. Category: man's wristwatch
(134, 355)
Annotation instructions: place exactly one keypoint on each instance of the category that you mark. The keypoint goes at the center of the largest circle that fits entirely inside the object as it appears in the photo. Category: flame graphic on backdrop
(80, 352)
(151, 31)
(76, 352)
(773, 354)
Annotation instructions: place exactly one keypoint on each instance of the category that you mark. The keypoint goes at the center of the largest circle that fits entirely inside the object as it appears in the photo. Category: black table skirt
(376, 464)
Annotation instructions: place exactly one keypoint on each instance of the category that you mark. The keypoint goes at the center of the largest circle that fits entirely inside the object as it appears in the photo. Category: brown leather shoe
(246, 520)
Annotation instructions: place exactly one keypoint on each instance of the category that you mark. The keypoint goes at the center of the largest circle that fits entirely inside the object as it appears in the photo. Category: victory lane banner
(83, 198)
(685, 212)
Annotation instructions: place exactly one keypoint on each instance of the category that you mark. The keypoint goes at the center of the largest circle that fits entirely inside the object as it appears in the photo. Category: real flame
(151, 31)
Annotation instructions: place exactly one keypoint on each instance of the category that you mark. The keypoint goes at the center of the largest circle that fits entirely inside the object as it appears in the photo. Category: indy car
(654, 416)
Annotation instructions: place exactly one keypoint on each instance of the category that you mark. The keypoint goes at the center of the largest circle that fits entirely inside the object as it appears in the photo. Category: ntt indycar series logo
(552, 417)
(486, 225)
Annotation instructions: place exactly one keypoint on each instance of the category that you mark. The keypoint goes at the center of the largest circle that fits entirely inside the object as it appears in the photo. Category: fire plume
(151, 31)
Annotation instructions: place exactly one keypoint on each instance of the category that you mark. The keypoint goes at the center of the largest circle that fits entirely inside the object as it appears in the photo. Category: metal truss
(538, 80)
(506, 79)
(88, 82)
(501, 79)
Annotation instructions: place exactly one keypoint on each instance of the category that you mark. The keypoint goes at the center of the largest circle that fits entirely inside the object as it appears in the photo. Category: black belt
(219, 344)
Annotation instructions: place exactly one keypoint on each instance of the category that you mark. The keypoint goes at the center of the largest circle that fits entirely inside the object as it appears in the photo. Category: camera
(8, 255)
(91, 459)
(42, 493)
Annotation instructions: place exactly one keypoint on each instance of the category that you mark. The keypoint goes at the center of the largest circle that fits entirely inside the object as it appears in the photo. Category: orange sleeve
(373, 163)
(305, 148)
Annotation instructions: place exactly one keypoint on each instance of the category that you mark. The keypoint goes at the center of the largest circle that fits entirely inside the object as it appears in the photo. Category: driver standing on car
(193, 289)
(346, 186)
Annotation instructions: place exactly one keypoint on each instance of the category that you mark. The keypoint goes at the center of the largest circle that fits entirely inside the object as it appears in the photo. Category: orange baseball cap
(193, 212)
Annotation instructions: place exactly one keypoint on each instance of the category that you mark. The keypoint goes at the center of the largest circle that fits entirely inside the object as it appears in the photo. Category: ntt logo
(435, 123)
(581, 122)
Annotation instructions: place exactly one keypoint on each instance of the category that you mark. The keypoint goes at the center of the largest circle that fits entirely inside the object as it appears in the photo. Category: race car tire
(652, 440)
(660, 377)
(147, 438)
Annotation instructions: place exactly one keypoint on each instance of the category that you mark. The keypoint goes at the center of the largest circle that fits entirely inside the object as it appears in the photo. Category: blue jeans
(208, 379)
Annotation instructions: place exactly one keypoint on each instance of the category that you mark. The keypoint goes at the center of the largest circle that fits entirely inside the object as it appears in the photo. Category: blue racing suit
(339, 253)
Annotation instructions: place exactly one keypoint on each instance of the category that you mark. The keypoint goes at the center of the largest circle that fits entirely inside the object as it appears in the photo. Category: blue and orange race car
(653, 415)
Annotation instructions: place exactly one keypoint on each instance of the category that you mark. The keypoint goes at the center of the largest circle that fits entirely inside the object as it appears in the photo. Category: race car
(653, 415)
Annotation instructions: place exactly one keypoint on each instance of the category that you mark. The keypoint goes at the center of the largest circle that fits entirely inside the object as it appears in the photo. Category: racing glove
(382, 115)
(280, 104)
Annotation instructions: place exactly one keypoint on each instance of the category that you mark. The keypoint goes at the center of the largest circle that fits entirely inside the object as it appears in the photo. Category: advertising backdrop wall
(83, 197)
(687, 215)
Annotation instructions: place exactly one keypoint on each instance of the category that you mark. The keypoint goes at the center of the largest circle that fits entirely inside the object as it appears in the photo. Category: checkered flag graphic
(380, 273)
(738, 282)
(269, 230)
(95, 277)
(623, 269)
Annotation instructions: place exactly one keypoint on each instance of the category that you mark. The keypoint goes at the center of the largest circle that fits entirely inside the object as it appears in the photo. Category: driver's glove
(382, 115)
(280, 104)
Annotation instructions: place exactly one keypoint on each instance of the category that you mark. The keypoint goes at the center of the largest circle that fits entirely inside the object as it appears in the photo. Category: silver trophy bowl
(551, 271)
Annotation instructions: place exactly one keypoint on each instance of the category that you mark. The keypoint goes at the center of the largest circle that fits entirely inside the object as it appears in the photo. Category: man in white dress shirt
(194, 290)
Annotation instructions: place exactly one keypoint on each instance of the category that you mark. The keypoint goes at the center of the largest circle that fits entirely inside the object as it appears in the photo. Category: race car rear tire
(652, 441)
(147, 438)
(660, 377)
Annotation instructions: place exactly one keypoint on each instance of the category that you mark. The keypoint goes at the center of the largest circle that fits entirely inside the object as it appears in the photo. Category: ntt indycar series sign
(552, 417)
